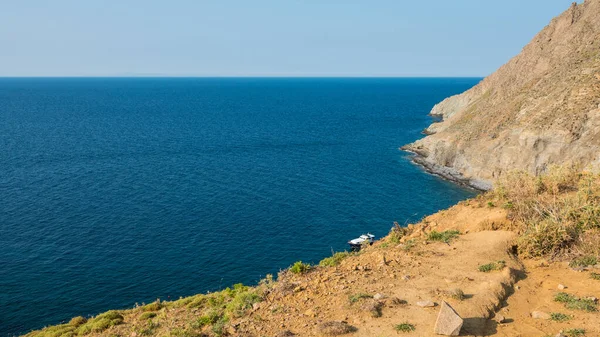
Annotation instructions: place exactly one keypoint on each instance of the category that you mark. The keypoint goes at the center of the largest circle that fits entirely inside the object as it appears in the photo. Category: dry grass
(553, 210)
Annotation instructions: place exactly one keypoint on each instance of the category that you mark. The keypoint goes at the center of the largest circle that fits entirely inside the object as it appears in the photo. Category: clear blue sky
(266, 37)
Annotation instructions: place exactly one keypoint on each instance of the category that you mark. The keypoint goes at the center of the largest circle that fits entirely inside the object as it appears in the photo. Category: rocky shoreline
(444, 172)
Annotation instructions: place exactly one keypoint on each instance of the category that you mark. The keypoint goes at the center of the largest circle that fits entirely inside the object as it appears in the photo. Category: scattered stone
(310, 313)
(426, 304)
(500, 319)
(378, 297)
(540, 315)
(560, 334)
(561, 287)
(286, 333)
(255, 306)
(517, 287)
(448, 322)
(406, 277)
(592, 298)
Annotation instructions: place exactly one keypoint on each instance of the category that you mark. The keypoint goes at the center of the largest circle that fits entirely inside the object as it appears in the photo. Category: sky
(392, 38)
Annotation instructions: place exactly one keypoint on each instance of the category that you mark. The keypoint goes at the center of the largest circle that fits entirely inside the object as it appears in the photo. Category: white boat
(355, 244)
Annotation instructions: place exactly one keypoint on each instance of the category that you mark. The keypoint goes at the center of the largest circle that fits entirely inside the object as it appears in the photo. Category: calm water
(117, 191)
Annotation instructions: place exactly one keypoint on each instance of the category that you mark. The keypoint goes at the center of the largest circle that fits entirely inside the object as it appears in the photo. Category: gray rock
(561, 287)
(540, 315)
(448, 322)
(500, 319)
(426, 304)
(378, 297)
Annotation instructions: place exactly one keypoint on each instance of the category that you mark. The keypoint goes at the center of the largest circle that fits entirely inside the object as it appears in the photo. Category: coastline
(444, 172)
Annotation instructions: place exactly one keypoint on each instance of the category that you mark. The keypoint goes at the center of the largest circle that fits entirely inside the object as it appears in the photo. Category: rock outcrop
(539, 109)
(448, 322)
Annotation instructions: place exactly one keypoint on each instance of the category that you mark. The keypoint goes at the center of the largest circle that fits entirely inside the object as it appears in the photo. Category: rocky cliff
(539, 109)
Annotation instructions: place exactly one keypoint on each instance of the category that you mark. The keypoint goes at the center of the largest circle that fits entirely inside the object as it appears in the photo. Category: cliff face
(541, 108)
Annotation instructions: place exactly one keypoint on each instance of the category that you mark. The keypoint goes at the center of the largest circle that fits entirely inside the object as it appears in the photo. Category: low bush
(584, 261)
(77, 321)
(445, 236)
(334, 260)
(595, 276)
(552, 210)
(559, 317)
(404, 327)
(396, 233)
(575, 332)
(154, 306)
(359, 296)
(300, 268)
(148, 315)
(486, 268)
(576, 303)
(335, 328)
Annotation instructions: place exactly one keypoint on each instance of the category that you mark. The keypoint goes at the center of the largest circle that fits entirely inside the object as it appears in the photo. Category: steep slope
(541, 108)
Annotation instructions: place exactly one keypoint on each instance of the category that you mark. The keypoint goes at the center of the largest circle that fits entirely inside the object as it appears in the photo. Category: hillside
(541, 108)
(504, 267)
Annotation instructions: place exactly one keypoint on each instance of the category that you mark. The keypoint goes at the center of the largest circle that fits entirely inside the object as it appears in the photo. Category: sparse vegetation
(300, 268)
(457, 294)
(77, 321)
(148, 315)
(334, 260)
(486, 268)
(584, 261)
(359, 296)
(396, 233)
(595, 276)
(559, 317)
(154, 306)
(576, 303)
(553, 210)
(575, 332)
(445, 236)
(404, 327)
(336, 328)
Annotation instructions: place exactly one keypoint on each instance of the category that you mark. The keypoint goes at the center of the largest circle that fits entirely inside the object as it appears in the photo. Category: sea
(117, 191)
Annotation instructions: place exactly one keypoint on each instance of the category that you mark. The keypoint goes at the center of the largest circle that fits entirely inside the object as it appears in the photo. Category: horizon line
(232, 77)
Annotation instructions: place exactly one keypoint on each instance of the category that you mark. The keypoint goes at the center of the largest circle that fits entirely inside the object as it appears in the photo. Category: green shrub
(584, 261)
(219, 327)
(445, 236)
(299, 268)
(242, 302)
(404, 327)
(77, 321)
(559, 317)
(154, 306)
(334, 260)
(595, 276)
(148, 315)
(209, 318)
(576, 303)
(575, 332)
(486, 268)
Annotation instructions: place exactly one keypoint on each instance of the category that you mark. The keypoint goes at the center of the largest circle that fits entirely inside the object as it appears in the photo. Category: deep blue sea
(117, 191)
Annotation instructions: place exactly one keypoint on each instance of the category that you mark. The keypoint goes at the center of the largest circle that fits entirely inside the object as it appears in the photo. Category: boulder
(448, 322)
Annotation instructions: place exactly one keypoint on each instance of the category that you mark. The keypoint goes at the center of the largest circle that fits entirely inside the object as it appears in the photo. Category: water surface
(117, 191)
